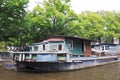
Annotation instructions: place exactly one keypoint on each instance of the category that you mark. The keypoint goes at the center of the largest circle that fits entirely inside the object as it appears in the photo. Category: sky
(90, 5)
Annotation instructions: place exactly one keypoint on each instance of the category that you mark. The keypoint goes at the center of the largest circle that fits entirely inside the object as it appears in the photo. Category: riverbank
(8, 64)
(4, 60)
(1, 61)
(4, 57)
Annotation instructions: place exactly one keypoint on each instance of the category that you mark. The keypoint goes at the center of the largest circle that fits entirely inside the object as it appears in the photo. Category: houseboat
(106, 49)
(59, 53)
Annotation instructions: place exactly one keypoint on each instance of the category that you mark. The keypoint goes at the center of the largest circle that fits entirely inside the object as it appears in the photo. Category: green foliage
(92, 25)
(53, 17)
(112, 24)
(2, 46)
(12, 14)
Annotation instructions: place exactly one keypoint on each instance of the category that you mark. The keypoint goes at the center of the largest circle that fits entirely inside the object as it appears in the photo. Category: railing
(32, 57)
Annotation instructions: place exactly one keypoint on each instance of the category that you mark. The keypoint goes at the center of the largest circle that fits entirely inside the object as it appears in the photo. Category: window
(102, 47)
(44, 47)
(36, 48)
(70, 44)
(60, 47)
(106, 47)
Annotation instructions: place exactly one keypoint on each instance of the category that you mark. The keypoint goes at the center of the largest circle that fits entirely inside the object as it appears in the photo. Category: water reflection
(106, 72)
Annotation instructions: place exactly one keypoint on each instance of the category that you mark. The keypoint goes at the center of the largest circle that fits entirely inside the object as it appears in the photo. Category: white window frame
(70, 44)
(61, 47)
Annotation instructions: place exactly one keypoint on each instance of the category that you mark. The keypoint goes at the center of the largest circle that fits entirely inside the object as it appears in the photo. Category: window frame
(70, 44)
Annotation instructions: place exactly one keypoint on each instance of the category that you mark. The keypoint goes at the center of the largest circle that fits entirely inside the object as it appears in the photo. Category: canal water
(105, 72)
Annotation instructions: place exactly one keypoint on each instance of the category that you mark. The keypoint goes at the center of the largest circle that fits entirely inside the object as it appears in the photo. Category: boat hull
(46, 66)
(61, 66)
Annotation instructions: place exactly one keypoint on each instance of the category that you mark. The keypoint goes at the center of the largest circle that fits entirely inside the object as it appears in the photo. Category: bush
(3, 47)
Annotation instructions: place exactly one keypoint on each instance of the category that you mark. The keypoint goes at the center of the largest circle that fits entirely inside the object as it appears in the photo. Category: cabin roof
(105, 44)
(63, 36)
(69, 37)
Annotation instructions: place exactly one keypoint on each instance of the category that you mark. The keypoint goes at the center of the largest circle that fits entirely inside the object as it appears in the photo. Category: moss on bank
(3, 47)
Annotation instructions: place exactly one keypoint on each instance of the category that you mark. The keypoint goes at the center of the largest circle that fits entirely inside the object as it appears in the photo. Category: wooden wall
(87, 51)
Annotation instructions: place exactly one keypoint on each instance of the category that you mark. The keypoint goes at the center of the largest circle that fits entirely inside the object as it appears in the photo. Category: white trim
(20, 56)
(23, 57)
(30, 56)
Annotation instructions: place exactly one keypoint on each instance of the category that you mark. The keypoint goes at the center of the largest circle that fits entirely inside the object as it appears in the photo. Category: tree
(112, 25)
(12, 14)
(90, 25)
(97, 25)
(53, 17)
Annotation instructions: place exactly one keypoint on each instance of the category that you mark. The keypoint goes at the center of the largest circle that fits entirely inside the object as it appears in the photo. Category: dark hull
(46, 66)
(60, 66)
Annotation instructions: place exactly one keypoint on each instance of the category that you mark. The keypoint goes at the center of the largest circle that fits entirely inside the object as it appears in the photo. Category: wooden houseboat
(59, 53)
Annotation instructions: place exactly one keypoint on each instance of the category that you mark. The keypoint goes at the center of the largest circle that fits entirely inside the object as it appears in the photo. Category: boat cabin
(72, 45)
(106, 49)
(56, 48)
